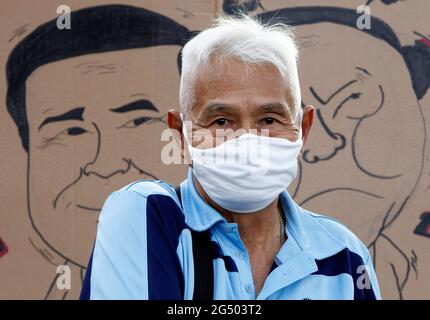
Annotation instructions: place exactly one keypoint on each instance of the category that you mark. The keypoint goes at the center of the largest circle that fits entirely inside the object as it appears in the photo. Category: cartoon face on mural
(367, 124)
(360, 112)
(365, 113)
(90, 117)
(112, 129)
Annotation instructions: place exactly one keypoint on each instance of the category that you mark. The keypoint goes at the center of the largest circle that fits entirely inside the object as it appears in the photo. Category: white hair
(244, 38)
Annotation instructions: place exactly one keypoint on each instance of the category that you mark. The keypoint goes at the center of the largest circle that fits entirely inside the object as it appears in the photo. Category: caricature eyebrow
(74, 114)
(324, 102)
(141, 104)
(364, 70)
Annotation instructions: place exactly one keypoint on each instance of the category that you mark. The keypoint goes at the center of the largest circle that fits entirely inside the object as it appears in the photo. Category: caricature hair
(416, 57)
(93, 30)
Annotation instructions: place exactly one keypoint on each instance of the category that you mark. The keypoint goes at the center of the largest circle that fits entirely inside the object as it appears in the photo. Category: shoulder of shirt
(327, 236)
(150, 187)
(145, 188)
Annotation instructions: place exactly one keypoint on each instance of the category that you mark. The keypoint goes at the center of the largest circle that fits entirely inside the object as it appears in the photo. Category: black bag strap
(203, 263)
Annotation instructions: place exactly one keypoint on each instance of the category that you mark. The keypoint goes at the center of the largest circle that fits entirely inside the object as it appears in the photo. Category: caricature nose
(328, 143)
(106, 168)
(106, 163)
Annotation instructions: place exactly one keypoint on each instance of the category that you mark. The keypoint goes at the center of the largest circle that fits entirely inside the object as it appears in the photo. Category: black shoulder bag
(203, 263)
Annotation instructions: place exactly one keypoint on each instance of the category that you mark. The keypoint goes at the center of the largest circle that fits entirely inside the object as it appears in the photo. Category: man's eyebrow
(276, 107)
(141, 104)
(214, 108)
(324, 102)
(74, 114)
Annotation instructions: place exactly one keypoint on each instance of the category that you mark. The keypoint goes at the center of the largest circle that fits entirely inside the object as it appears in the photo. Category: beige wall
(366, 166)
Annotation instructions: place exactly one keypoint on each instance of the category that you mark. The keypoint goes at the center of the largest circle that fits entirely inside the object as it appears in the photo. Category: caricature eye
(75, 131)
(353, 96)
(137, 122)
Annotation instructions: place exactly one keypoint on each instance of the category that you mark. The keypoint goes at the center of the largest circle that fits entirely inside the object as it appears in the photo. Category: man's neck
(259, 232)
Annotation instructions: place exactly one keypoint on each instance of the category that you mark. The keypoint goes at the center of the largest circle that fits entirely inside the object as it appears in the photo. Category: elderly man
(231, 230)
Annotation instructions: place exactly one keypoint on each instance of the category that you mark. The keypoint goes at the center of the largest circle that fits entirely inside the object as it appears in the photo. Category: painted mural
(84, 109)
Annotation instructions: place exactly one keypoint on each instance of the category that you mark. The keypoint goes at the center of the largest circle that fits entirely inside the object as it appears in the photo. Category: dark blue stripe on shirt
(348, 262)
(165, 222)
(217, 253)
(86, 286)
(274, 266)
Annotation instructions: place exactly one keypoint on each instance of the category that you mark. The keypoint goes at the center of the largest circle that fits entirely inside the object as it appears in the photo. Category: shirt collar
(200, 216)
(296, 258)
(294, 228)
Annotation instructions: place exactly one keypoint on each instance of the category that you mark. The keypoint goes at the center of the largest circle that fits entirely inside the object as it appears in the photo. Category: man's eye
(269, 120)
(221, 121)
(137, 122)
(74, 131)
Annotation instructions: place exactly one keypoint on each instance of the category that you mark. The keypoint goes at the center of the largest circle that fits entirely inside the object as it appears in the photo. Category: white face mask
(247, 173)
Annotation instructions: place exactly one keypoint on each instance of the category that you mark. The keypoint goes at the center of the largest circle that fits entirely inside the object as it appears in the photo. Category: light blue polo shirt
(143, 250)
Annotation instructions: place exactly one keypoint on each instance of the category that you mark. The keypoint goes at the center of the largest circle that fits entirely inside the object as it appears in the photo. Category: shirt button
(248, 288)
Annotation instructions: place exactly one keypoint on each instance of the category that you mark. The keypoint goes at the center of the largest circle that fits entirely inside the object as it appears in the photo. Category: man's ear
(174, 122)
(307, 122)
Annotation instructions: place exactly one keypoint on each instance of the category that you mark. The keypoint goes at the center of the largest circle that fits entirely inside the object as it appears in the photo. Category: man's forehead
(233, 84)
(233, 77)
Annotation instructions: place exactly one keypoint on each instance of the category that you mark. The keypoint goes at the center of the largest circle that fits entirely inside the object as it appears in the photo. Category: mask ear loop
(184, 127)
(299, 121)
(185, 134)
